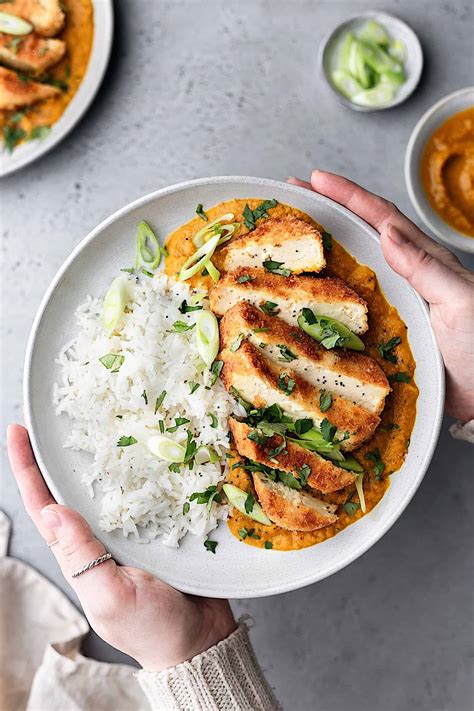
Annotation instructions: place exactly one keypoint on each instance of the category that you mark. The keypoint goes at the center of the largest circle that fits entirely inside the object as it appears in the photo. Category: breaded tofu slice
(290, 240)
(16, 93)
(262, 383)
(355, 376)
(46, 16)
(291, 509)
(324, 296)
(325, 476)
(32, 54)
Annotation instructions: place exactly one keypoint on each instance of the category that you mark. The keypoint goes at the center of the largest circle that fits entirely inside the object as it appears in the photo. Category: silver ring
(93, 564)
(53, 543)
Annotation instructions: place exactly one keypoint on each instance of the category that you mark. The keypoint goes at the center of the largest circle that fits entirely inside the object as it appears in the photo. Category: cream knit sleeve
(227, 677)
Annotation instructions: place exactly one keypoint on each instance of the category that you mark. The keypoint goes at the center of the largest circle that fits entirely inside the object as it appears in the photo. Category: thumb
(430, 277)
(76, 546)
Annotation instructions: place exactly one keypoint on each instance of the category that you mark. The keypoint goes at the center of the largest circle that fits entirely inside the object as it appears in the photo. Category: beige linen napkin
(41, 668)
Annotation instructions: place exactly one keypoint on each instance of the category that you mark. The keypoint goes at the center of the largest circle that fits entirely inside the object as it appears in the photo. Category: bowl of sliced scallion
(371, 62)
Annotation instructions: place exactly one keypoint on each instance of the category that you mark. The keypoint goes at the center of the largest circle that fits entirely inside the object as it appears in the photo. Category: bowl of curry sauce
(439, 169)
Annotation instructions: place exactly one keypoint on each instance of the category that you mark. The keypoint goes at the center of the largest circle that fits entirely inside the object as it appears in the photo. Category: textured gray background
(206, 88)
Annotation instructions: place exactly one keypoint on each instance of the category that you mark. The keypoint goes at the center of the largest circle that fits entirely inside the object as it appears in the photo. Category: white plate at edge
(30, 151)
(236, 570)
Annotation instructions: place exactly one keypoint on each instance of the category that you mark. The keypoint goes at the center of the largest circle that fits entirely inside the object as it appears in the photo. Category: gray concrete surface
(207, 88)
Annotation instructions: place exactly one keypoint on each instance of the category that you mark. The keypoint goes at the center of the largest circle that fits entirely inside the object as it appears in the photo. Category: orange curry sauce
(393, 435)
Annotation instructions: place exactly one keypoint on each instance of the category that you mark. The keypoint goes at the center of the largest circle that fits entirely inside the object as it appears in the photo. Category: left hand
(129, 608)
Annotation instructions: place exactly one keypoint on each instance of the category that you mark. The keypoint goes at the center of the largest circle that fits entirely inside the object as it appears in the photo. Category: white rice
(139, 494)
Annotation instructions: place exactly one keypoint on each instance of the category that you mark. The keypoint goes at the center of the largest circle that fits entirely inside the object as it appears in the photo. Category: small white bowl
(397, 29)
(428, 123)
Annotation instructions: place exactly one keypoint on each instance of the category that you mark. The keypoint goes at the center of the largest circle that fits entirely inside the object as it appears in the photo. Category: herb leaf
(193, 387)
(125, 441)
(210, 545)
(200, 212)
(181, 327)
(185, 308)
(325, 400)
(386, 349)
(399, 377)
(112, 362)
(159, 401)
(327, 430)
(249, 502)
(11, 136)
(379, 465)
(251, 216)
(244, 278)
(39, 133)
(208, 496)
(145, 397)
(214, 420)
(216, 369)
(276, 268)
(327, 240)
(270, 308)
(268, 545)
(237, 343)
(286, 383)
(286, 354)
(303, 425)
(186, 507)
(179, 421)
(350, 507)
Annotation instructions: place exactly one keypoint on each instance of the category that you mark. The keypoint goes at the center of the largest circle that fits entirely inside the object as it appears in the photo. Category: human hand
(129, 608)
(432, 270)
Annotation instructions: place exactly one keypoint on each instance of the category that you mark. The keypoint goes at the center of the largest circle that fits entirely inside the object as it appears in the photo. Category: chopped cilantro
(244, 278)
(185, 308)
(327, 240)
(12, 135)
(286, 355)
(179, 421)
(210, 545)
(399, 377)
(276, 268)
(112, 362)
(251, 216)
(125, 441)
(39, 133)
(181, 327)
(325, 400)
(327, 430)
(268, 545)
(270, 308)
(350, 507)
(237, 343)
(200, 212)
(379, 465)
(386, 349)
(249, 502)
(286, 383)
(208, 496)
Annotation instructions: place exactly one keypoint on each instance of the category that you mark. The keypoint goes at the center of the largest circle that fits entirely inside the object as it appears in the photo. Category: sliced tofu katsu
(46, 16)
(16, 93)
(31, 54)
(262, 383)
(354, 376)
(324, 296)
(325, 476)
(294, 242)
(291, 509)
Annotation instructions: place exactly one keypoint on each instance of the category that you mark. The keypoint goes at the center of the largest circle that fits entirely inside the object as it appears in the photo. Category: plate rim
(307, 578)
(74, 111)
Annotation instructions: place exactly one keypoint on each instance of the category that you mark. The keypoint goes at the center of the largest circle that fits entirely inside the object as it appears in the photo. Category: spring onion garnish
(200, 212)
(199, 259)
(13, 25)
(222, 226)
(216, 370)
(206, 454)
(112, 362)
(360, 491)
(238, 498)
(166, 448)
(197, 298)
(149, 252)
(329, 332)
(126, 441)
(159, 400)
(207, 336)
(114, 305)
(213, 272)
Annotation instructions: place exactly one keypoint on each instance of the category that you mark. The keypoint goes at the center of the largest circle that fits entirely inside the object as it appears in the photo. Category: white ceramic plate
(397, 29)
(428, 123)
(27, 152)
(236, 570)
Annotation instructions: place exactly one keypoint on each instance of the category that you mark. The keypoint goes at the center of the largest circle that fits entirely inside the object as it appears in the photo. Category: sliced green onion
(206, 232)
(346, 83)
(199, 260)
(166, 448)
(114, 305)
(397, 50)
(13, 25)
(213, 272)
(237, 499)
(373, 32)
(206, 454)
(360, 491)
(149, 252)
(351, 464)
(379, 95)
(207, 336)
(197, 298)
(328, 331)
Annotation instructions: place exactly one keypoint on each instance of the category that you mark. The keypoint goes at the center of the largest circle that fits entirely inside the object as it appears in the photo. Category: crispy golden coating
(354, 376)
(46, 16)
(325, 296)
(291, 509)
(31, 54)
(290, 240)
(325, 476)
(262, 383)
(16, 93)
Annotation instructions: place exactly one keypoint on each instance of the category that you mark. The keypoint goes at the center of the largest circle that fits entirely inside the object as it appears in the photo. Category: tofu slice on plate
(294, 242)
(325, 476)
(46, 16)
(291, 509)
(263, 383)
(31, 53)
(324, 296)
(354, 376)
(16, 93)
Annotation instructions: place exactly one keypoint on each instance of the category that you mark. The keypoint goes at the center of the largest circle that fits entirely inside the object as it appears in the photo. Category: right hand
(432, 270)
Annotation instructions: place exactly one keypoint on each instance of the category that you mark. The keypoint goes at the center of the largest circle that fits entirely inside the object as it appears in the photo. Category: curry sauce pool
(385, 452)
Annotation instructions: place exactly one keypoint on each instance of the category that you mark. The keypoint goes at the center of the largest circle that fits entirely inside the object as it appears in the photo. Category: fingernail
(50, 518)
(395, 235)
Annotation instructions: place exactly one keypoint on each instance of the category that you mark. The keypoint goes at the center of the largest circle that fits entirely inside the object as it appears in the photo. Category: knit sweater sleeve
(227, 677)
